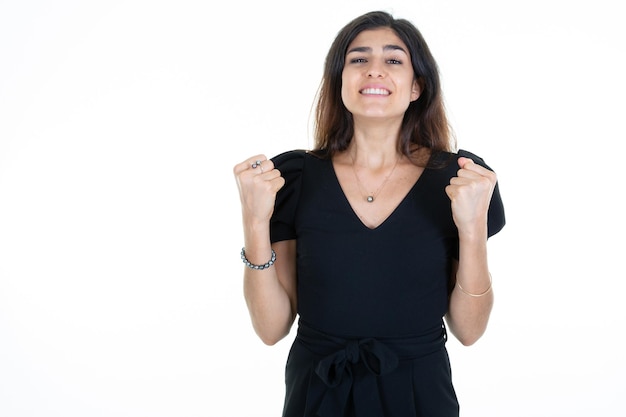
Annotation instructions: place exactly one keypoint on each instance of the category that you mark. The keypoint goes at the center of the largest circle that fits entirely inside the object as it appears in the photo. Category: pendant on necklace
(370, 198)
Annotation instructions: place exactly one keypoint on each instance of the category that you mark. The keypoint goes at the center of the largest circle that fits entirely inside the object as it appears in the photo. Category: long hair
(425, 124)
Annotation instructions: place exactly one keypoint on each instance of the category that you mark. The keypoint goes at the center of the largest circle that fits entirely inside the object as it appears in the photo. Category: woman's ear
(416, 89)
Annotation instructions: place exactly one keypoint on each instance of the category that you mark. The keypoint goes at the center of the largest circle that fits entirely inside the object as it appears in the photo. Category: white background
(120, 122)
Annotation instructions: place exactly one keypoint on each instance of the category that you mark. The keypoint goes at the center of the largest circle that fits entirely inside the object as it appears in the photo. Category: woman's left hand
(470, 194)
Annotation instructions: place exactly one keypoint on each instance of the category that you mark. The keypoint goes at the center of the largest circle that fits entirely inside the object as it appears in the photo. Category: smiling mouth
(375, 91)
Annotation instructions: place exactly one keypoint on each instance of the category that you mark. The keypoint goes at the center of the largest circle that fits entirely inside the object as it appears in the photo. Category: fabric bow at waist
(354, 365)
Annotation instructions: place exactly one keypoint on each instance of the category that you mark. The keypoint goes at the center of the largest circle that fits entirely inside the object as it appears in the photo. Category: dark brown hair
(425, 124)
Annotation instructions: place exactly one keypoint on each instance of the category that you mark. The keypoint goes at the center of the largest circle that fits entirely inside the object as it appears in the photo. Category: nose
(375, 70)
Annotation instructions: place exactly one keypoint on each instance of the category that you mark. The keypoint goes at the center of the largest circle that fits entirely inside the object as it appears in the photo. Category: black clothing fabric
(371, 336)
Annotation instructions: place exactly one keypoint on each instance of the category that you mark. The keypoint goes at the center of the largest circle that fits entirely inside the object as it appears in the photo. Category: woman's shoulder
(293, 156)
(295, 159)
(289, 162)
(449, 159)
(477, 159)
(290, 155)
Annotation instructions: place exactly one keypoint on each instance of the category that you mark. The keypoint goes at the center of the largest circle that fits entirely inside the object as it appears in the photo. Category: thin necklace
(371, 197)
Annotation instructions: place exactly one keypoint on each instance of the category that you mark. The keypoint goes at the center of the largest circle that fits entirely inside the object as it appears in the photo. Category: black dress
(371, 336)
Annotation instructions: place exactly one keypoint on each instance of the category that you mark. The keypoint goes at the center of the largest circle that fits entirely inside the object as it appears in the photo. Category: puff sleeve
(282, 224)
(495, 216)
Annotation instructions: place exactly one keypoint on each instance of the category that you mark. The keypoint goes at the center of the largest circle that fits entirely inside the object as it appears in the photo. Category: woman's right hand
(258, 182)
(270, 293)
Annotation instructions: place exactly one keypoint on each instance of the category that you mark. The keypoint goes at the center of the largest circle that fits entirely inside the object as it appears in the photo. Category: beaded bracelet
(259, 267)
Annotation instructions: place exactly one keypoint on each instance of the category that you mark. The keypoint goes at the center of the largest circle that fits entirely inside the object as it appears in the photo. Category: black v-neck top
(354, 281)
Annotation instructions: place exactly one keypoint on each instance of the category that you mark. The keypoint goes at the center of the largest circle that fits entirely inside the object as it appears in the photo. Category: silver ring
(256, 164)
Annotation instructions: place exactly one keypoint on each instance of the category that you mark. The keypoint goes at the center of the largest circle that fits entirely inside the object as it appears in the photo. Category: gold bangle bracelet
(475, 295)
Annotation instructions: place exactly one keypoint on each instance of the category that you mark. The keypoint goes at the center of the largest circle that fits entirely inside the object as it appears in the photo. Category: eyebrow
(369, 49)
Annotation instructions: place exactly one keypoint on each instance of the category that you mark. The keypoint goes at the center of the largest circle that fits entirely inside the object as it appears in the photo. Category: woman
(372, 237)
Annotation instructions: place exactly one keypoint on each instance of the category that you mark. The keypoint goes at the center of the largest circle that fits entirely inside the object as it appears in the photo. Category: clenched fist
(470, 194)
(258, 182)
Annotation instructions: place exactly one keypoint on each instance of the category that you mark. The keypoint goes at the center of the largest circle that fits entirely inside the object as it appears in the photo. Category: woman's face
(377, 78)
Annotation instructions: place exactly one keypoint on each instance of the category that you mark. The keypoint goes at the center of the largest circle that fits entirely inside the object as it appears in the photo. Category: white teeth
(376, 91)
